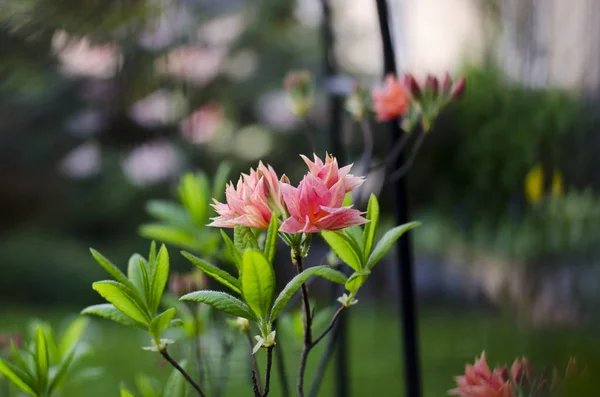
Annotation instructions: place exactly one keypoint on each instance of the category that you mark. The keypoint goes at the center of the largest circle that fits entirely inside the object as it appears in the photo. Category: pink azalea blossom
(314, 207)
(330, 173)
(480, 381)
(252, 202)
(390, 101)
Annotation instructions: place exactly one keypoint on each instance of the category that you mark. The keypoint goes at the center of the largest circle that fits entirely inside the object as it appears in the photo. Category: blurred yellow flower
(534, 185)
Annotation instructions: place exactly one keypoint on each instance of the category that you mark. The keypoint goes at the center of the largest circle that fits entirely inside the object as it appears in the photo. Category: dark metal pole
(335, 103)
(408, 310)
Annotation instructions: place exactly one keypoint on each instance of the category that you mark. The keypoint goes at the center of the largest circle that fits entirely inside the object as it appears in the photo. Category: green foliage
(214, 272)
(222, 301)
(176, 385)
(134, 300)
(183, 223)
(42, 368)
(258, 282)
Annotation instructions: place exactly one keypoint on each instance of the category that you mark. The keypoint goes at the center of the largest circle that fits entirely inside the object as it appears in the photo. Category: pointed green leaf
(347, 200)
(169, 212)
(294, 285)
(11, 373)
(271, 241)
(158, 279)
(23, 370)
(110, 312)
(161, 322)
(42, 360)
(72, 334)
(234, 253)
(220, 180)
(194, 191)
(169, 234)
(147, 386)
(344, 248)
(356, 280)
(63, 367)
(356, 234)
(126, 393)
(176, 385)
(110, 268)
(386, 242)
(138, 273)
(212, 271)
(258, 282)
(221, 301)
(370, 227)
(244, 238)
(152, 252)
(123, 298)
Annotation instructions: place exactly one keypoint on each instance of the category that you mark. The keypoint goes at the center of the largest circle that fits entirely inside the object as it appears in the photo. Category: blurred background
(105, 104)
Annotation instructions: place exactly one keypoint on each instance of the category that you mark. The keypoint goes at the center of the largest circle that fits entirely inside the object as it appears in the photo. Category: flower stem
(285, 387)
(307, 323)
(268, 375)
(256, 384)
(400, 172)
(178, 367)
(332, 323)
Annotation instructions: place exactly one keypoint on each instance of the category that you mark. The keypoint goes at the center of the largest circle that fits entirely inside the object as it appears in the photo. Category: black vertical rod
(407, 302)
(335, 105)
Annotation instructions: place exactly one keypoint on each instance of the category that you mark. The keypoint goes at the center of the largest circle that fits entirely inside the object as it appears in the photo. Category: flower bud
(458, 89)
(446, 84)
(432, 85)
(299, 87)
(413, 87)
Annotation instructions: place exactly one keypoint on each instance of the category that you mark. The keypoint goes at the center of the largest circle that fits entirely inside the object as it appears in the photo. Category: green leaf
(258, 282)
(347, 200)
(11, 373)
(158, 279)
(72, 335)
(137, 273)
(233, 251)
(193, 192)
(220, 180)
(123, 298)
(23, 369)
(344, 248)
(113, 270)
(110, 312)
(271, 242)
(169, 212)
(176, 385)
(61, 372)
(294, 285)
(147, 386)
(222, 301)
(386, 242)
(42, 359)
(126, 393)
(370, 227)
(244, 238)
(171, 235)
(161, 322)
(356, 234)
(187, 316)
(356, 280)
(218, 274)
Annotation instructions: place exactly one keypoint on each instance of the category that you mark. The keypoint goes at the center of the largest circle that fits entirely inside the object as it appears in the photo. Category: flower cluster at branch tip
(480, 381)
(315, 205)
(252, 202)
(391, 100)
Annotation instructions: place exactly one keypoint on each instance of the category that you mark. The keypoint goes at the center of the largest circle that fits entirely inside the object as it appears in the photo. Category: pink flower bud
(411, 83)
(432, 85)
(458, 89)
(446, 84)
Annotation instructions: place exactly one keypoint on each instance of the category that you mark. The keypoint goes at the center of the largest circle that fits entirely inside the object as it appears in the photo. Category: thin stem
(400, 172)
(256, 383)
(285, 386)
(394, 153)
(330, 327)
(307, 322)
(308, 132)
(178, 367)
(268, 375)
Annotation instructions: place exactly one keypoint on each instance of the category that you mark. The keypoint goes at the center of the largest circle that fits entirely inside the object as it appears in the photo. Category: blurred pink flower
(157, 109)
(330, 173)
(480, 381)
(201, 125)
(192, 63)
(316, 204)
(390, 101)
(79, 57)
(252, 202)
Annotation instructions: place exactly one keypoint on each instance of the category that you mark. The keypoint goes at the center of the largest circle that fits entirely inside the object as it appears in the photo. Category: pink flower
(252, 202)
(330, 173)
(313, 206)
(480, 381)
(390, 101)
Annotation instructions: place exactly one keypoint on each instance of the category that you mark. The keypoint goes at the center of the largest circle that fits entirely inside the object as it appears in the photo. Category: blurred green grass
(449, 338)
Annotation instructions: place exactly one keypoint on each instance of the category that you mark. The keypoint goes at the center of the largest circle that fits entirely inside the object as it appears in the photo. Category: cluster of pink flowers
(316, 204)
